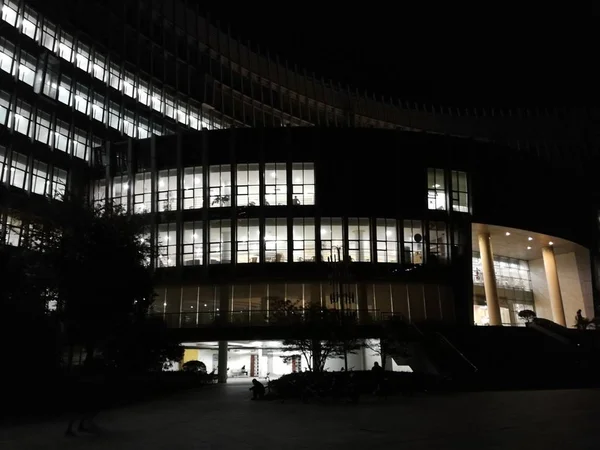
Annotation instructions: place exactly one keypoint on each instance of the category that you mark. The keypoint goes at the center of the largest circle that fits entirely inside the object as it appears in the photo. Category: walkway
(222, 417)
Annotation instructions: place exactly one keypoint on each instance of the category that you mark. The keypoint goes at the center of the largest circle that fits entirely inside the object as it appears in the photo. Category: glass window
(42, 128)
(49, 35)
(59, 184)
(143, 128)
(27, 68)
(220, 185)
(438, 242)
(82, 58)
(387, 241)
(3, 165)
(167, 245)
(18, 170)
(114, 76)
(50, 87)
(99, 192)
(413, 242)
(61, 135)
(220, 241)
(80, 143)
(193, 188)
(275, 184)
(169, 106)
(359, 240)
(128, 84)
(9, 12)
(248, 185)
(30, 24)
(182, 115)
(23, 118)
(167, 190)
(4, 106)
(81, 98)
(331, 238)
(303, 233)
(64, 90)
(194, 118)
(303, 188)
(142, 194)
(436, 192)
(99, 67)
(142, 93)
(248, 241)
(156, 99)
(7, 55)
(128, 123)
(113, 116)
(65, 48)
(120, 190)
(40, 183)
(14, 231)
(98, 107)
(192, 243)
(460, 192)
(276, 240)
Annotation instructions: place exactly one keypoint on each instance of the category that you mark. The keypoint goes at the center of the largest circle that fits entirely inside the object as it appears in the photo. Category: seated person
(258, 390)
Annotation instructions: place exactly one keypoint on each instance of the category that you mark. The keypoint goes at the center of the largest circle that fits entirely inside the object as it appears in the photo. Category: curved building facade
(245, 219)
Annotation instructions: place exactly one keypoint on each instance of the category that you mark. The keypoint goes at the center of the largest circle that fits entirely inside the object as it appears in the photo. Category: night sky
(477, 58)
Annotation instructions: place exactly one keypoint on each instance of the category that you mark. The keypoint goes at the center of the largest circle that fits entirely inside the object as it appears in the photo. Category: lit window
(275, 184)
(99, 193)
(248, 185)
(14, 231)
(276, 240)
(65, 48)
(303, 233)
(64, 90)
(82, 58)
(81, 98)
(194, 118)
(18, 170)
(128, 123)
(220, 186)
(113, 116)
(387, 241)
(182, 115)
(7, 55)
(49, 35)
(436, 191)
(50, 86)
(23, 118)
(114, 76)
(331, 239)
(27, 68)
(4, 107)
(156, 99)
(142, 198)
(59, 183)
(128, 84)
(167, 190)
(460, 192)
(98, 108)
(359, 240)
(3, 165)
(438, 242)
(413, 242)
(120, 191)
(29, 24)
(9, 12)
(220, 241)
(248, 241)
(80, 144)
(169, 106)
(303, 184)
(61, 135)
(143, 128)
(192, 243)
(39, 183)
(193, 188)
(167, 245)
(99, 68)
(142, 93)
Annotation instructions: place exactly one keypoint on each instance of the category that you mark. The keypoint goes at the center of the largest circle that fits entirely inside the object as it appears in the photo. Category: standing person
(85, 396)
(377, 368)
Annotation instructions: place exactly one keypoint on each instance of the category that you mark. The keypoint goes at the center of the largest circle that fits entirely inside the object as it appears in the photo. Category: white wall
(575, 286)
(206, 356)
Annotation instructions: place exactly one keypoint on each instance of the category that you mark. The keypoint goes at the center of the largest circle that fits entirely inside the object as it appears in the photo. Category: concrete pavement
(223, 417)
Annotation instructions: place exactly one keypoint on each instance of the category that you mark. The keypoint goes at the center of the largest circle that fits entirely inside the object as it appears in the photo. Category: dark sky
(476, 58)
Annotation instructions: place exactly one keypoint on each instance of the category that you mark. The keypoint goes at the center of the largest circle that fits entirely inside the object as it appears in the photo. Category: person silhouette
(258, 390)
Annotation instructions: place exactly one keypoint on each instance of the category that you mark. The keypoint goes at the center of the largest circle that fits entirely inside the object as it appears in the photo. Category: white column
(558, 311)
(489, 279)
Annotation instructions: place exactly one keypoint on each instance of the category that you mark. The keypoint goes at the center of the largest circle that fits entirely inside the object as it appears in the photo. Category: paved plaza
(223, 417)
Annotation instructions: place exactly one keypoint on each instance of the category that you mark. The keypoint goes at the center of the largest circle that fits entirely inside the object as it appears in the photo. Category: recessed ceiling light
(530, 238)
(437, 186)
(528, 248)
(550, 243)
(508, 233)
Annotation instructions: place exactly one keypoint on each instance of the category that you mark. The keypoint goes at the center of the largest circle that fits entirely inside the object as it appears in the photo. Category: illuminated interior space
(526, 266)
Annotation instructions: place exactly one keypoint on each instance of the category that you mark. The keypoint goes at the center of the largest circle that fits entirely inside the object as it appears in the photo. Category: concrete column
(489, 279)
(223, 362)
(558, 311)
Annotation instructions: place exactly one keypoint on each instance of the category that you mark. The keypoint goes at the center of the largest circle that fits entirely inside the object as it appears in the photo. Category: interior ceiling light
(508, 233)
(528, 248)
(530, 238)
(550, 243)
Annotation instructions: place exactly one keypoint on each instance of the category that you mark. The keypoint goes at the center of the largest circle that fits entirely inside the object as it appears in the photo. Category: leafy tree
(527, 315)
